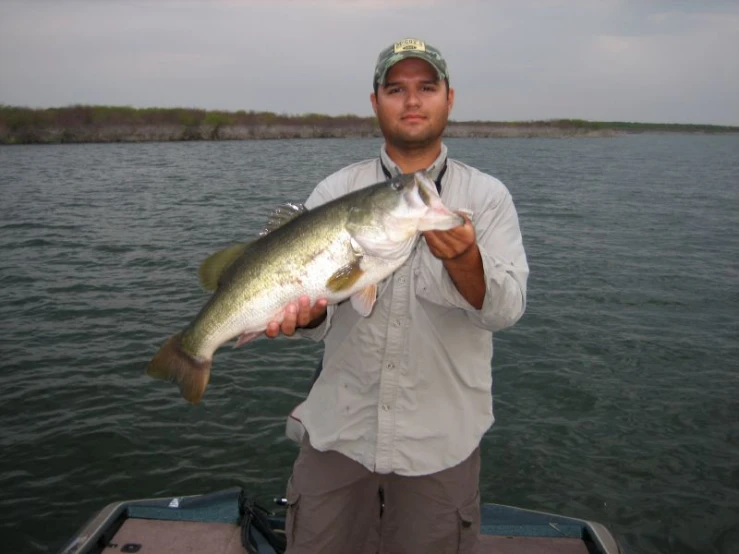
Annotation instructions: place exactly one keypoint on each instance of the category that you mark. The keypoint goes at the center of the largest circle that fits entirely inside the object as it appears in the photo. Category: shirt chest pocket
(429, 277)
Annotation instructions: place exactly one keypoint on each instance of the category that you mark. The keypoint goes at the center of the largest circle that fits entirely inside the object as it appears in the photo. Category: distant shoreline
(108, 124)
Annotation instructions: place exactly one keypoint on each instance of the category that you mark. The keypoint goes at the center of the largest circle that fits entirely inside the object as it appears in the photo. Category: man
(390, 460)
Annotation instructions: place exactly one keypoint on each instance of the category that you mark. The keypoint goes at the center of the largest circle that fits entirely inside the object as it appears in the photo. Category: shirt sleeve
(504, 264)
(320, 195)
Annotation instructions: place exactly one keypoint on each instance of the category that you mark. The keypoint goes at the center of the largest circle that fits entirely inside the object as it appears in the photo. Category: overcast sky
(627, 60)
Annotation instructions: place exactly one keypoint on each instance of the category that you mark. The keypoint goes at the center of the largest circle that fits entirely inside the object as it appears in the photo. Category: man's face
(413, 106)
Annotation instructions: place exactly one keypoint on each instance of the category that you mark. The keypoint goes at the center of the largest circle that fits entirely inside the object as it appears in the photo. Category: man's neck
(413, 160)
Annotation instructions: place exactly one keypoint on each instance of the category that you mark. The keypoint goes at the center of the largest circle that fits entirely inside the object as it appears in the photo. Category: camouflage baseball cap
(409, 48)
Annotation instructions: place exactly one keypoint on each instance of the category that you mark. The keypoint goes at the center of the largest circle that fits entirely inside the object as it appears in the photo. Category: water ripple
(615, 396)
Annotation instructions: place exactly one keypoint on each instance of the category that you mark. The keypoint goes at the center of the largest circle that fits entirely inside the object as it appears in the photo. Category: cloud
(528, 59)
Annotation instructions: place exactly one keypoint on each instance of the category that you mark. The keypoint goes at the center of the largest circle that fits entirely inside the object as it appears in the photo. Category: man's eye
(393, 90)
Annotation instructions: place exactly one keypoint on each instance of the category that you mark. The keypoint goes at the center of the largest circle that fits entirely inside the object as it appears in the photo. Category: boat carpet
(151, 536)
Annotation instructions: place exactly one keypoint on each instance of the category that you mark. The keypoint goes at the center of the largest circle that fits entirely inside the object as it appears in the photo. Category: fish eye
(398, 182)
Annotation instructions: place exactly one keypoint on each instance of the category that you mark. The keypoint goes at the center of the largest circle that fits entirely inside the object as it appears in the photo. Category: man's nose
(412, 98)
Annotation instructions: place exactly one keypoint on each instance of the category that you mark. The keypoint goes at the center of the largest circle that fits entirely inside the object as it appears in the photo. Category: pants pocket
(469, 526)
(291, 518)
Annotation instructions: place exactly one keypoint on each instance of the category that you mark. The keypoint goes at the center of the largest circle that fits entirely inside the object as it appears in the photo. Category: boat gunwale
(98, 524)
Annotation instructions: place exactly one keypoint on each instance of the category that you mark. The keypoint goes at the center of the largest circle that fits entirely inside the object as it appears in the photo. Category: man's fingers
(273, 330)
(448, 244)
(440, 243)
(290, 320)
(303, 311)
(318, 308)
(296, 315)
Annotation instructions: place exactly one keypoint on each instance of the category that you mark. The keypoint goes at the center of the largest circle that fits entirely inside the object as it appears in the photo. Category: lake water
(616, 395)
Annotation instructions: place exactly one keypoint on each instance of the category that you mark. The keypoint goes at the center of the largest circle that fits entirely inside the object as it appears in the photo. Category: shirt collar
(433, 169)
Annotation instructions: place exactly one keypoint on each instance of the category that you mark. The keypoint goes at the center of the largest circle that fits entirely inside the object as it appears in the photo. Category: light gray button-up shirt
(409, 389)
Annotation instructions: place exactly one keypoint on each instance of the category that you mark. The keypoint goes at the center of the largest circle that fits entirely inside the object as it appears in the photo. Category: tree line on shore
(81, 123)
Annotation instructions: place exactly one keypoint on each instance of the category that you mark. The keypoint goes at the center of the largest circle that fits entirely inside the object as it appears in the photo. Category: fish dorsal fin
(364, 300)
(282, 214)
(217, 263)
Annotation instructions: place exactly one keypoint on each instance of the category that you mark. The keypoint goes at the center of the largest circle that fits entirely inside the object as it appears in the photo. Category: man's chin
(413, 140)
(412, 136)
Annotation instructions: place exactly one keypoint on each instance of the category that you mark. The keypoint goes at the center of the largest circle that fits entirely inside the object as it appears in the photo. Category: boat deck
(211, 523)
(150, 536)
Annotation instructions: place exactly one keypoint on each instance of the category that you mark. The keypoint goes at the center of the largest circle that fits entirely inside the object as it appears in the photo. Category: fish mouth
(427, 190)
(438, 216)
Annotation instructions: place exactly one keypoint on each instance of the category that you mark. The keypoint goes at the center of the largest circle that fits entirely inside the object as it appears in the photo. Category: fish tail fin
(171, 363)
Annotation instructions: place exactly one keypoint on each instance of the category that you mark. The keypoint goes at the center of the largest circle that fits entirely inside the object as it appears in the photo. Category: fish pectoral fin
(345, 277)
(247, 337)
(364, 300)
(214, 265)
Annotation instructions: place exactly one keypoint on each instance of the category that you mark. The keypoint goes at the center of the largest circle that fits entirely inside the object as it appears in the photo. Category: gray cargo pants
(337, 506)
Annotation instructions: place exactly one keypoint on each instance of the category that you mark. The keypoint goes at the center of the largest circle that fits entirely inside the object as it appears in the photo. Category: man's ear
(450, 101)
(373, 101)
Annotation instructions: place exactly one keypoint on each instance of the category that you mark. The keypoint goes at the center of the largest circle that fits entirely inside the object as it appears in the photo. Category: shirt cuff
(503, 303)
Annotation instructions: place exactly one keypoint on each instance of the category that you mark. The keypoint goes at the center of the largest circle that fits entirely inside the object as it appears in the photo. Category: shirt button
(390, 365)
(396, 323)
(401, 280)
(385, 408)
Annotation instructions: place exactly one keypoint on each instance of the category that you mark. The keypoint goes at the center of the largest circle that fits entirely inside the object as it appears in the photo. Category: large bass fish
(336, 251)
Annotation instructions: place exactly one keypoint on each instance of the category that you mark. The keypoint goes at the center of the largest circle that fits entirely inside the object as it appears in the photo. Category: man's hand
(300, 314)
(447, 245)
(457, 249)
